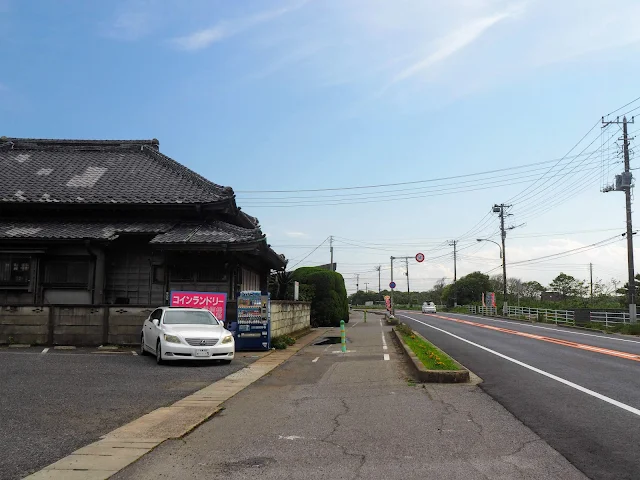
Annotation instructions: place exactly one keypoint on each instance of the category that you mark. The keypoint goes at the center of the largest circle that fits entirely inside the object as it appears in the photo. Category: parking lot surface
(55, 402)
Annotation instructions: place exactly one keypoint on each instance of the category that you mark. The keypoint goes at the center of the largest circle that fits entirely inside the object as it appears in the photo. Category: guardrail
(609, 318)
(542, 315)
(472, 309)
(490, 311)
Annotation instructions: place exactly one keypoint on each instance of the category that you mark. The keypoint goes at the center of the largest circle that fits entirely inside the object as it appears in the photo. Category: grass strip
(430, 356)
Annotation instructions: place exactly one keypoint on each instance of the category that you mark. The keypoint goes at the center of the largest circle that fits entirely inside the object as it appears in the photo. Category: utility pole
(331, 250)
(624, 183)
(406, 261)
(455, 272)
(455, 262)
(591, 278)
(499, 209)
(366, 287)
(379, 269)
(357, 282)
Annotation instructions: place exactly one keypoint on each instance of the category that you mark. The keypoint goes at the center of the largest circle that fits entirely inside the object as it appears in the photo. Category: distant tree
(467, 289)
(625, 289)
(568, 286)
(532, 289)
(496, 283)
(436, 291)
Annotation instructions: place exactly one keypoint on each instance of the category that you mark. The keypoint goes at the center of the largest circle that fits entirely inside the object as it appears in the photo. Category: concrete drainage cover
(328, 341)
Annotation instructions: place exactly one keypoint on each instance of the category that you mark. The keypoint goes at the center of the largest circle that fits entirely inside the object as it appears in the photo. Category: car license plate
(201, 352)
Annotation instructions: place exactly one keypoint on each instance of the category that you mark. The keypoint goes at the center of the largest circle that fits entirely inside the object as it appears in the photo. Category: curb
(432, 376)
(126, 444)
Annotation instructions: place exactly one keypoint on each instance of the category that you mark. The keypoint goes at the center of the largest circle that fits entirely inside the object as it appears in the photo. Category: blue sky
(295, 95)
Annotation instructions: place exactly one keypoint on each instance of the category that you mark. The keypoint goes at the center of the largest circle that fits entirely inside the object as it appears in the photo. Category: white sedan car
(186, 334)
(428, 307)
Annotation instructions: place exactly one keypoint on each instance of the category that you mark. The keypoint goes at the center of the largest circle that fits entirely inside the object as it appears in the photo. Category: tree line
(468, 290)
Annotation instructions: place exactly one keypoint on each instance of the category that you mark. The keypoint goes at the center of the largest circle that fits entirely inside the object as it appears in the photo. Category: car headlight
(227, 339)
(171, 339)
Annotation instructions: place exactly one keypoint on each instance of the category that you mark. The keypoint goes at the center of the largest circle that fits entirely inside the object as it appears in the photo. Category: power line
(373, 198)
(310, 253)
(413, 182)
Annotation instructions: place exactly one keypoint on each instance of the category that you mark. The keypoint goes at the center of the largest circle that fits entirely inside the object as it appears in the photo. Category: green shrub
(404, 329)
(329, 304)
(289, 340)
(279, 342)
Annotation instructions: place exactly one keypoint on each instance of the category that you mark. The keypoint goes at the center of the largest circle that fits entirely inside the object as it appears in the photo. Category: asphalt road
(54, 403)
(330, 415)
(571, 387)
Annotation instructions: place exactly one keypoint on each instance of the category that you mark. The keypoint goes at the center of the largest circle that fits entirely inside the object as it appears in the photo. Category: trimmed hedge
(329, 304)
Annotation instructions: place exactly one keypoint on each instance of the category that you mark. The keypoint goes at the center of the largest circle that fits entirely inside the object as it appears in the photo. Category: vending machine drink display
(253, 330)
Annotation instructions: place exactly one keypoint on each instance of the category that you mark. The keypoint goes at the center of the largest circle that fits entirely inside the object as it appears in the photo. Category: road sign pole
(392, 304)
(343, 337)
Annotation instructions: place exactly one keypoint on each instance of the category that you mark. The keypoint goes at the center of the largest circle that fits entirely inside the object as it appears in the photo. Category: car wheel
(159, 360)
(143, 351)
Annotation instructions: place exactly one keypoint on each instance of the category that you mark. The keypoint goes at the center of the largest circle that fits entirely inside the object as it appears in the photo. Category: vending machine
(253, 330)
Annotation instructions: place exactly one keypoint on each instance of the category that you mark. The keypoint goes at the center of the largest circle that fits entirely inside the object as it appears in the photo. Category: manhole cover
(328, 341)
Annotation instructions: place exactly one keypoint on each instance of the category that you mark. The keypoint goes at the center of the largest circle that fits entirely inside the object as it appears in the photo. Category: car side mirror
(156, 322)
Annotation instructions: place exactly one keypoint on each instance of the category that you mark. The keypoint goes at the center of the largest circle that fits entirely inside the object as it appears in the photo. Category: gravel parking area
(55, 402)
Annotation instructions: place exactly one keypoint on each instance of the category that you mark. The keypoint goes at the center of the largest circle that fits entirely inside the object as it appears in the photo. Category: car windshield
(185, 317)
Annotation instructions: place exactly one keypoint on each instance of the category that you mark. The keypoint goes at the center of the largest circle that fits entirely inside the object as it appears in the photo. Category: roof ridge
(79, 142)
(186, 172)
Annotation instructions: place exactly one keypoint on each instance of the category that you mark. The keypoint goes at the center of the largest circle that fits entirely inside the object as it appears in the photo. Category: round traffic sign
(392, 285)
(420, 257)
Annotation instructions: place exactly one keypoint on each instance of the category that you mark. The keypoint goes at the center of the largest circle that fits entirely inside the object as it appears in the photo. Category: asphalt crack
(336, 424)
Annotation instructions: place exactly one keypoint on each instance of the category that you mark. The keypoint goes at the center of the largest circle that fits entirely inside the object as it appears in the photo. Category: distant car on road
(186, 334)
(428, 307)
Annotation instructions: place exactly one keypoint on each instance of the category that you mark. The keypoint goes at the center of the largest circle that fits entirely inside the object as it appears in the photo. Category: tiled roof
(77, 230)
(167, 232)
(98, 172)
(209, 232)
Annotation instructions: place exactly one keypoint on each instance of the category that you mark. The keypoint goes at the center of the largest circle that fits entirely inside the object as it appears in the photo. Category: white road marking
(44, 351)
(354, 325)
(568, 330)
(290, 437)
(340, 351)
(386, 356)
(315, 360)
(135, 354)
(580, 388)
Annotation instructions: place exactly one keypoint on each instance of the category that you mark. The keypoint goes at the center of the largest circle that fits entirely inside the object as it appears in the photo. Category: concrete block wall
(24, 325)
(107, 324)
(125, 324)
(288, 317)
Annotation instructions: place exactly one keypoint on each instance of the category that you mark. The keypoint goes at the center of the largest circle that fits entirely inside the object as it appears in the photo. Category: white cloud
(451, 43)
(227, 28)
(295, 234)
(134, 21)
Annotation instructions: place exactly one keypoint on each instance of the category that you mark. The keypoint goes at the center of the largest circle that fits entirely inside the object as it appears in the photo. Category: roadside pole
(343, 337)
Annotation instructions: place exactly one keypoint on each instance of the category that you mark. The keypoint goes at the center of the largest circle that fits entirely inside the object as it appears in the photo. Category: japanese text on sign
(216, 303)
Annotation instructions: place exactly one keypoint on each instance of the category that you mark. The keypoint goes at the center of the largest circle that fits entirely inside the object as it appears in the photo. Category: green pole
(365, 316)
(343, 336)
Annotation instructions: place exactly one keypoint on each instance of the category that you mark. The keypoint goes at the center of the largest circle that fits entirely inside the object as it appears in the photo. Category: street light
(504, 269)
(487, 240)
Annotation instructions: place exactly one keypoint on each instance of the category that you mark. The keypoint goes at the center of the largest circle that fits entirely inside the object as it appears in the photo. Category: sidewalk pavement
(326, 414)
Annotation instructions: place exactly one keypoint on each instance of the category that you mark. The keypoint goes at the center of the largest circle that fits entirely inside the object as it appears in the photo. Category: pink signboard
(216, 303)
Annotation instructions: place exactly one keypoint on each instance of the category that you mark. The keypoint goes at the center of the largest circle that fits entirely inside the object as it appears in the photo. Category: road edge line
(539, 371)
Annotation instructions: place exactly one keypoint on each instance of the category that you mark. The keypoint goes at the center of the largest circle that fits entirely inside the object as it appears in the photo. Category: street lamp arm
(487, 240)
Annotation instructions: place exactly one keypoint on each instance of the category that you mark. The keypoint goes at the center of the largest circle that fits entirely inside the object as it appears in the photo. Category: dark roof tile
(99, 171)
(208, 233)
